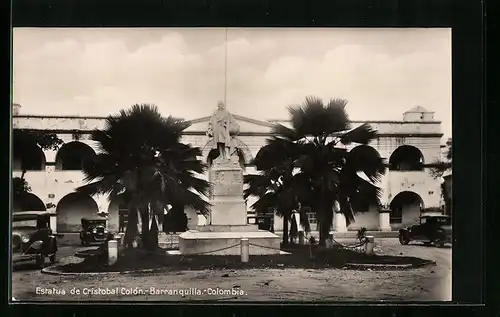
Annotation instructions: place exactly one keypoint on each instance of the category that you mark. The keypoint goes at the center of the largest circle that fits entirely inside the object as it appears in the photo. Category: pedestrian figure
(184, 222)
(121, 220)
(294, 230)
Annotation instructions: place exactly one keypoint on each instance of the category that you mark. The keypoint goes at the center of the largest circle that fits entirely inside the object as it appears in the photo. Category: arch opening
(406, 158)
(28, 202)
(361, 151)
(29, 158)
(366, 159)
(405, 208)
(73, 156)
(71, 209)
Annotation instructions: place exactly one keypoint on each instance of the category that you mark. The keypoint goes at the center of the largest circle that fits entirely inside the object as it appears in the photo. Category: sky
(98, 71)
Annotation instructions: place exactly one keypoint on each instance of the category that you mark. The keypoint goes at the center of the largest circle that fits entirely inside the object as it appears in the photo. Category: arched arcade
(406, 158)
(27, 202)
(71, 209)
(73, 156)
(405, 209)
(29, 158)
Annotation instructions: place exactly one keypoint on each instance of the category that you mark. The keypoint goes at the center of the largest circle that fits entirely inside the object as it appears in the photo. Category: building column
(340, 222)
(384, 220)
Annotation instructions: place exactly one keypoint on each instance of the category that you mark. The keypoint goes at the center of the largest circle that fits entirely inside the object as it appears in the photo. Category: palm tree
(274, 194)
(142, 160)
(310, 164)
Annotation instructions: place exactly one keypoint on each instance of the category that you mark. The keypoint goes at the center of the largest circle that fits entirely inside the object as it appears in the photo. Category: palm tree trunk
(324, 213)
(145, 236)
(153, 235)
(323, 234)
(131, 230)
(149, 234)
(285, 229)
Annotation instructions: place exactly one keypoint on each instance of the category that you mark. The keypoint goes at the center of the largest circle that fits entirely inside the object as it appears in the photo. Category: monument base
(168, 241)
(228, 228)
(228, 243)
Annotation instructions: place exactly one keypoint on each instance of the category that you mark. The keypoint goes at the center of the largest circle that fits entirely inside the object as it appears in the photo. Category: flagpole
(225, 70)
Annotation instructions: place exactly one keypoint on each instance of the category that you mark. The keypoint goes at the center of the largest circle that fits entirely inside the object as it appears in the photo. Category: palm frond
(258, 185)
(366, 159)
(314, 118)
(277, 153)
(142, 157)
(346, 208)
(362, 135)
(265, 203)
(284, 132)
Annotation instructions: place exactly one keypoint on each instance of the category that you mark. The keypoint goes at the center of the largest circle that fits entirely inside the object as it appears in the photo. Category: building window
(396, 216)
(311, 217)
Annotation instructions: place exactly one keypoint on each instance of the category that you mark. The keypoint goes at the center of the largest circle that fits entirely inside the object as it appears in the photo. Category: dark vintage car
(264, 221)
(93, 231)
(32, 238)
(432, 229)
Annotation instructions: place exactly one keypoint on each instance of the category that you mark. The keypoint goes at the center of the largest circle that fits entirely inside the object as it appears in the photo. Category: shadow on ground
(301, 257)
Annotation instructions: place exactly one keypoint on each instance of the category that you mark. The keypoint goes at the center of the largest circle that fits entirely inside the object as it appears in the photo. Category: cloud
(381, 74)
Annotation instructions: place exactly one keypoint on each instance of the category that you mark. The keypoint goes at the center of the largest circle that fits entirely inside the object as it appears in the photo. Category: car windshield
(443, 220)
(96, 223)
(24, 223)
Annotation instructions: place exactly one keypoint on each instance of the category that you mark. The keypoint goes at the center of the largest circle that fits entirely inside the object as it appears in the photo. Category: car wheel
(439, 244)
(427, 243)
(52, 258)
(403, 239)
(40, 261)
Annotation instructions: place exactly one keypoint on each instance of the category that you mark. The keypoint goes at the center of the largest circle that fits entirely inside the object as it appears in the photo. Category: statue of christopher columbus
(221, 128)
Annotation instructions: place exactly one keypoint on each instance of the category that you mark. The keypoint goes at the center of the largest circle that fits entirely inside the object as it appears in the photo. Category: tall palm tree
(310, 161)
(274, 194)
(142, 160)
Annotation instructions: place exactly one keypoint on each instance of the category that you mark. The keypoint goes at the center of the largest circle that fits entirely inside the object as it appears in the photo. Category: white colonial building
(408, 145)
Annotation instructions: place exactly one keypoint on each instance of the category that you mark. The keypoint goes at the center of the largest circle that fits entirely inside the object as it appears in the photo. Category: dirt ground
(432, 283)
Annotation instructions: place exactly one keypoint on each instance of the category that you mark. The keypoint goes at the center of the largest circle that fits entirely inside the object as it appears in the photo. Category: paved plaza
(432, 283)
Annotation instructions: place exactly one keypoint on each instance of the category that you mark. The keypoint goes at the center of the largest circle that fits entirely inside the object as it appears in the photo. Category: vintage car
(32, 238)
(432, 229)
(93, 231)
(264, 221)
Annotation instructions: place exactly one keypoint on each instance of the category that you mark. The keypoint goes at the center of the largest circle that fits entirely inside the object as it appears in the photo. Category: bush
(361, 235)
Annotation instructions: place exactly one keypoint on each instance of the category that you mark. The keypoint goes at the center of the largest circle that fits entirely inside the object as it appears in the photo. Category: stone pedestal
(53, 222)
(340, 222)
(228, 205)
(384, 221)
(228, 228)
(228, 219)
